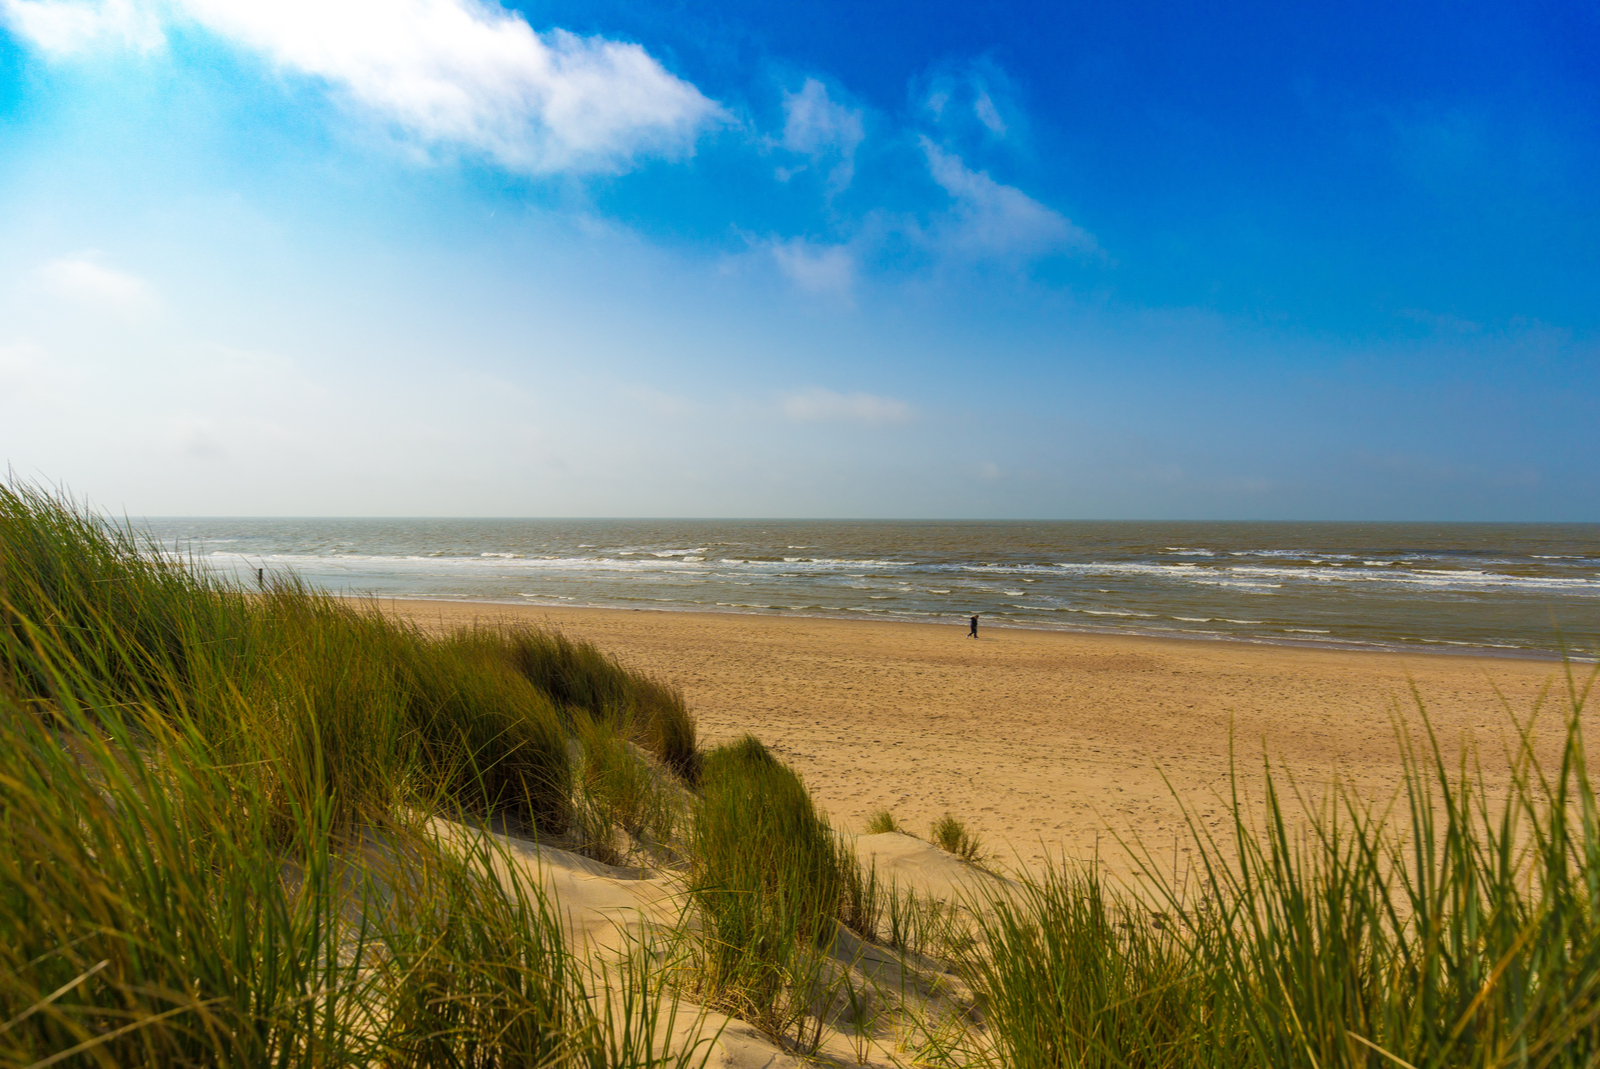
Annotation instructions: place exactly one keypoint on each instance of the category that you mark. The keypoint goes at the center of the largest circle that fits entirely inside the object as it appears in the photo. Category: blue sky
(441, 257)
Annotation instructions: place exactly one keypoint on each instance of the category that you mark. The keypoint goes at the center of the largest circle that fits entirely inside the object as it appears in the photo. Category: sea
(1528, 590)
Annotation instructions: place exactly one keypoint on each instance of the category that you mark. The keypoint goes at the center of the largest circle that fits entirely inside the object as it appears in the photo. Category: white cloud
(967, 98)
(65, 27)
(825, 406)
(988, 114)
(816, 268)
(820, 128)
(990, 219)
(448, 72)
(83, 279)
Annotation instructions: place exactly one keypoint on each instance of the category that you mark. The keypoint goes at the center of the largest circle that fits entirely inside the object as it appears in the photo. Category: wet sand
(1044, 742)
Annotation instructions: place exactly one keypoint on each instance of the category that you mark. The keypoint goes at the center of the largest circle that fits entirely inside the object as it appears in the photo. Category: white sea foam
(1115, 612)
(1458, 594)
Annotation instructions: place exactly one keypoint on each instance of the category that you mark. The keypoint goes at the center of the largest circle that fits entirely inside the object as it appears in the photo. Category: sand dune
(603, 907)
(1044, 742)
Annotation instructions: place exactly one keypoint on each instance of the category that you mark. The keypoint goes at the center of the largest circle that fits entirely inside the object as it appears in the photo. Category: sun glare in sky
(448, 257)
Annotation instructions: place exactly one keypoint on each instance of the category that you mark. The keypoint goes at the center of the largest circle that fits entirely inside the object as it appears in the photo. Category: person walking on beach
(974, 632)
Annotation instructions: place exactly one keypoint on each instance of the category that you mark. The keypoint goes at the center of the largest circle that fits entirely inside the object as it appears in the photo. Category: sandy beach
(1042, 741)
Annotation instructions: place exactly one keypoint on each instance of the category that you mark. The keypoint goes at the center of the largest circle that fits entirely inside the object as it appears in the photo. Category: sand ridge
(1044, 742)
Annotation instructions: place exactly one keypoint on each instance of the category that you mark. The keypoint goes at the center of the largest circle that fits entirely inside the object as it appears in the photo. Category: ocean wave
(1115, 612)
(1440, 578)
(672, 562)
(1047, 578)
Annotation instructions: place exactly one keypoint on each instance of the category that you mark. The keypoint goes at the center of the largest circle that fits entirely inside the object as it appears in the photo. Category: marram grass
(220, 844)
(1449, 928)
(214, 836)
(767, 881)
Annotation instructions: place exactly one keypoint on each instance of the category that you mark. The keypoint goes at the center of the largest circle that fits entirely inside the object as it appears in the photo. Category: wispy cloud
(984, 108)
(988, 219)
(823, 129)
(825, 406)
(816, 268)
(978, 97)
(67, 27)
(82, 278)
(458, 73)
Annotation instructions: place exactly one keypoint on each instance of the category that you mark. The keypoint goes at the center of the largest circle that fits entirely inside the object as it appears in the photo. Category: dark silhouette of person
(974, 632)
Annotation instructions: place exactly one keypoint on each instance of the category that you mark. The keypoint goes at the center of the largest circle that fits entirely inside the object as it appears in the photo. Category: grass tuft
(883, 822)
(578, 675)
(952, 836)
(772, 883)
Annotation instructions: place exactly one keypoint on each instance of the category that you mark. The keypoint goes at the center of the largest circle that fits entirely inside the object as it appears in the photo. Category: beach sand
(1046, 743)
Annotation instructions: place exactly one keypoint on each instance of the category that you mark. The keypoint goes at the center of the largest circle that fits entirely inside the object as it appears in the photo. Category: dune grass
(159, 908)
(767, 882)
(773, 883)
(247, 828)
(1449, 928)
(953, 837)
(882, 822)
(618, 789)
(578, 675)
(216, 843)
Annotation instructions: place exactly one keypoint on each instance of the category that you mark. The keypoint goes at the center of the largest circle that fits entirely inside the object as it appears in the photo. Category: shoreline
(1420, 647)
(1046, 742)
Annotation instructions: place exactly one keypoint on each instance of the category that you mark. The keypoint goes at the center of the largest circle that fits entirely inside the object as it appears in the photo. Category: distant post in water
(261, 578)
